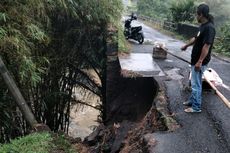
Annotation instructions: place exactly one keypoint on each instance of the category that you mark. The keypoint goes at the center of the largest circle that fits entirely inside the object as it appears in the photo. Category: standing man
(200, 57)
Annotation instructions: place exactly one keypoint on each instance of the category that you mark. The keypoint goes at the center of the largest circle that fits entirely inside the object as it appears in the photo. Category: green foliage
(3, 17)
(5, 116)
(20, 36)
(130, 6)
(38, 143)
(122, 43)
(30, 70)
(37, 34)
(60, 143)
(34, 143)
(47, 45)
(222, 42)
(154, 8)
(220, 10)
(3, 33)
(183, 10)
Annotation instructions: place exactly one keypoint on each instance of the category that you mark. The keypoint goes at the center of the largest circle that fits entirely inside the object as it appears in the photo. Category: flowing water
(83, 118)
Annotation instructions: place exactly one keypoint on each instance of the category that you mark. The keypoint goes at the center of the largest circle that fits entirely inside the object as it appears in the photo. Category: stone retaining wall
(187, 30)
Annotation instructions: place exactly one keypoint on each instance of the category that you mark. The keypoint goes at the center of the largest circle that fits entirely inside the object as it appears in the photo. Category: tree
(220, 10)
(28, 115)
(183, 10)
(47, 46)
(154, 8)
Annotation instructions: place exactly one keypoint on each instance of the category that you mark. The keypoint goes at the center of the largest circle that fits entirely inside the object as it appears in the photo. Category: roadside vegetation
(38, 143)
(183, 11)
(123, 46)
(47, 46)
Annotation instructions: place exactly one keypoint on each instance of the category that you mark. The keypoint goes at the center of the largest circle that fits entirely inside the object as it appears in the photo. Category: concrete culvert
(128, 98)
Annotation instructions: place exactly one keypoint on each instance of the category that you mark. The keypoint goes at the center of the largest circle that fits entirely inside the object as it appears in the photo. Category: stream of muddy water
(83, 119)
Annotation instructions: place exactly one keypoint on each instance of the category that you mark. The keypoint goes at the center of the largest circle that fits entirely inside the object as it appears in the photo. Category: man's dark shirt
(205, 35)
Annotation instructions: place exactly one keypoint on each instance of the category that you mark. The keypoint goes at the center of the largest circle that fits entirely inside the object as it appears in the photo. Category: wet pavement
(173, 45)
(206, 132)
(144, 63)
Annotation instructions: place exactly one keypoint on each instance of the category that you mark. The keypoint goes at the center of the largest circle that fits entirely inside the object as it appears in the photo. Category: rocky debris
(81, 148)
(136, 136)
(162, 107)
(129, 74)
(136, 142)
(159, 51)
(133, 113)
(94, 137)
(108, 139)
(121, 134)
(150, 142)
(41, 128)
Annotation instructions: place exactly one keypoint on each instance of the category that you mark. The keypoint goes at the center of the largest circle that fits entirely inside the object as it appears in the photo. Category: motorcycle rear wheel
(140, 38)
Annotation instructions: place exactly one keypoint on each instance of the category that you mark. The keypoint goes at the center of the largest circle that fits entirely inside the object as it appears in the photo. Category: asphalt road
(206, 132)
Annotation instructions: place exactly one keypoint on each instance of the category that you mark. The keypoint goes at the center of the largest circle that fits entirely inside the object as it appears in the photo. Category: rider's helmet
(133, 16)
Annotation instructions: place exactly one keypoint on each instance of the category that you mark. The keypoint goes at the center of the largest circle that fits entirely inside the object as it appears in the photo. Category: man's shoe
(187, 103)
(191, 110)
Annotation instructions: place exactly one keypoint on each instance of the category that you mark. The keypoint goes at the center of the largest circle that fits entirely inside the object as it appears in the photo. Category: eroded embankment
(131, 113)
(128, 98)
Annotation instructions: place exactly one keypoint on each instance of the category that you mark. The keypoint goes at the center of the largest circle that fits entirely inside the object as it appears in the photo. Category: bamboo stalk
(26, 111)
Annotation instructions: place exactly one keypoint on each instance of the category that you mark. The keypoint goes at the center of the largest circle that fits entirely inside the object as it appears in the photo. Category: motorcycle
(135, 33)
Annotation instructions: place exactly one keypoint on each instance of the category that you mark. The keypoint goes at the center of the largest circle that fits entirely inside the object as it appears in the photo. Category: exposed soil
(131, 113)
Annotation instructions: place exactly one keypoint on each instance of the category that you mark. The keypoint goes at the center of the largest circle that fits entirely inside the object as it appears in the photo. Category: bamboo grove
(47, 45)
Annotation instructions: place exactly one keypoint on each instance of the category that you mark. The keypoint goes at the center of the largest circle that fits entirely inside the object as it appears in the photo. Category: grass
(122, 46)
(34, 143)
(38, 143)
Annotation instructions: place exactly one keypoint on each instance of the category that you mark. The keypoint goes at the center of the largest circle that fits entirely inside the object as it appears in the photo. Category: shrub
(45, 45)
(34, 143)
(183, 10)
(222, 44)
(154, 8)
